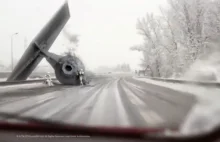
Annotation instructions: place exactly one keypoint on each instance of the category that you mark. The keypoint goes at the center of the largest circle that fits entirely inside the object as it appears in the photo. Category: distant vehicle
(141, 72)
(109, 72)
(136, 72)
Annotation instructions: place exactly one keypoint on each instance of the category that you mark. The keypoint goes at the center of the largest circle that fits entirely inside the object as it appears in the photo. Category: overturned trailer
(65, 67)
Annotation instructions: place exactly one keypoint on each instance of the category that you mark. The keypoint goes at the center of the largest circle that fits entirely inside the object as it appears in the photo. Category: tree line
(123, 67)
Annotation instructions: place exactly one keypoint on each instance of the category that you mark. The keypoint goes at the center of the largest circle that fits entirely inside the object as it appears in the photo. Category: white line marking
(147, 117)
(124, 121)
(155, 116)
(151, 117)
(28, 102)
(45, 99)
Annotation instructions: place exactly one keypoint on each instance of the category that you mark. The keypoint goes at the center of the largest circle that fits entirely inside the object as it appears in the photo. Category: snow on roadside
(19, 86)
(202, 93)
(205, 115)
(3, 79)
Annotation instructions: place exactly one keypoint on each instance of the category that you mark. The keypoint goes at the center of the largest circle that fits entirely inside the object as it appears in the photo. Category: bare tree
(150, 28)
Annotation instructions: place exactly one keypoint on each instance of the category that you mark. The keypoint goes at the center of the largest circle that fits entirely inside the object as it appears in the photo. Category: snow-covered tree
(184, 32)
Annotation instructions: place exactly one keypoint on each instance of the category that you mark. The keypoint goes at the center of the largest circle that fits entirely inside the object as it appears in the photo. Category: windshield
(118, 63)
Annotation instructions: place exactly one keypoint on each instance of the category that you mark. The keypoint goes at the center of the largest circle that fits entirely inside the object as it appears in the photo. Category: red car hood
(77, 129)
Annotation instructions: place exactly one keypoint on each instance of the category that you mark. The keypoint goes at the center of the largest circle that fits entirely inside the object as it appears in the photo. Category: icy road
(108, 101)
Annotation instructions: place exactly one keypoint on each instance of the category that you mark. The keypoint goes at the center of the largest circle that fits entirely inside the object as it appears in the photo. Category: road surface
(107, 101)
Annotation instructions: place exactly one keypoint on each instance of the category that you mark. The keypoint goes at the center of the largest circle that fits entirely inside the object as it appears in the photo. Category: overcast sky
(107, 28)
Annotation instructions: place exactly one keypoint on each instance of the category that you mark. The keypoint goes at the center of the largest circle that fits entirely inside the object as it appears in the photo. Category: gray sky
(107, 29)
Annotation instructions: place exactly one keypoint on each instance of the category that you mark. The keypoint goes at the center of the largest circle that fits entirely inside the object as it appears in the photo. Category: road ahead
(107, 101)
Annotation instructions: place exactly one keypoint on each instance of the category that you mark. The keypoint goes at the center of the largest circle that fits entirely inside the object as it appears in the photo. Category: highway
(107, 101)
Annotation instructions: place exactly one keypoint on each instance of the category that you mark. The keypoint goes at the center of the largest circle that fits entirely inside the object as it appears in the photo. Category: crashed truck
(66, 67)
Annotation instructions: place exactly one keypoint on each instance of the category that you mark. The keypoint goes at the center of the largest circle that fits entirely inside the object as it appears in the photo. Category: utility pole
(12, 58)
(25, 43)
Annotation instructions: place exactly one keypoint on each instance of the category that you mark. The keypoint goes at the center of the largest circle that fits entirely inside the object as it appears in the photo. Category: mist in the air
(206, 68)
(71, 37)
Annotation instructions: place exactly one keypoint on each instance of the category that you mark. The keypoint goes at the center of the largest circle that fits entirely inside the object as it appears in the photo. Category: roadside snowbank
(205, 115)
(202, 93)
(205, 69)
(3, 79)
(20, 86)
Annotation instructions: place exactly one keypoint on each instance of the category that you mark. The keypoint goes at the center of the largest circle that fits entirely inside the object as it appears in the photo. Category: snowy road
(111, 101)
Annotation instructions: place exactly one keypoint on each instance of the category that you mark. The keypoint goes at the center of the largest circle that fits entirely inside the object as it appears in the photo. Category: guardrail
(55, 81)
(201, 83)
(33, 74)
(6, 83)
